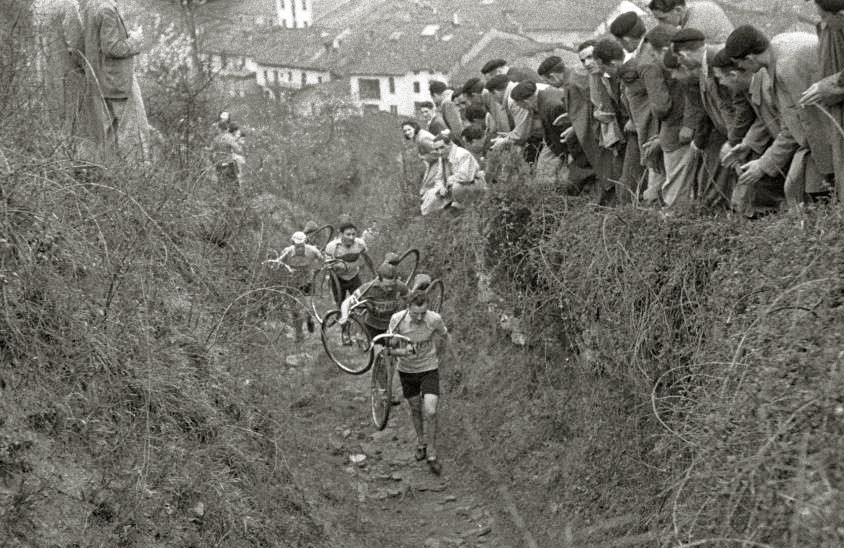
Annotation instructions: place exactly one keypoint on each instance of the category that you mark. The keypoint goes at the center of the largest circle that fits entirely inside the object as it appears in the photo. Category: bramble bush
(685, 368)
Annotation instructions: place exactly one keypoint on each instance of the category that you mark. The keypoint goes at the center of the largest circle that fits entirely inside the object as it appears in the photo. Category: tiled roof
(503, 46)
(301, 48)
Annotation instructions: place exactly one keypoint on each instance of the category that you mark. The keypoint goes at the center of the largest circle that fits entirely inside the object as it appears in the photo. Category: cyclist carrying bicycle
(418, 367)
(301, 260)
(348, 252)
(384, 296)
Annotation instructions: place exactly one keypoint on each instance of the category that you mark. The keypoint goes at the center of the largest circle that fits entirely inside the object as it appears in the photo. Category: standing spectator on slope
(828, 93)
(791, 60)
(441, 96)
(494, 67)
(545, 104)
(434, 122)
(419, 367)
(110, 50)
(629, 29)
(424, 141)
(709, 110)
(704, 15)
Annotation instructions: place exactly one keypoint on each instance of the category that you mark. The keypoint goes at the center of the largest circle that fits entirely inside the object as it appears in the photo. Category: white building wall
(404, 96)
(287, 77)
(294, 14)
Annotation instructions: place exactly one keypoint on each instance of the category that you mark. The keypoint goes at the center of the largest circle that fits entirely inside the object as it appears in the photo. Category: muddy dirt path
(366, 487)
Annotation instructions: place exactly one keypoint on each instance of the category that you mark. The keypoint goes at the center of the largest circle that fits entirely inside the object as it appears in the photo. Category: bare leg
(430, 408)
(415, 404)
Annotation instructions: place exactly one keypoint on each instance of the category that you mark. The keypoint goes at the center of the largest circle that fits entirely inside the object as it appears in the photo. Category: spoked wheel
(436, 292)
(407, 264)
(347, 346)
(381, 390)
(324, 281)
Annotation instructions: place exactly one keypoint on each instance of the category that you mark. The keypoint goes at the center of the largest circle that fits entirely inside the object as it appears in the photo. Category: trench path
(365, 485)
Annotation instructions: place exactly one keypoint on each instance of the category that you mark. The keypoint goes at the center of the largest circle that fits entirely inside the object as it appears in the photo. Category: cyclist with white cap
(301, 260)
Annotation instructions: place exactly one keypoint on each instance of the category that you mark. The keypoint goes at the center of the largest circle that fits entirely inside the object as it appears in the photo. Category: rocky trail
(358, 479)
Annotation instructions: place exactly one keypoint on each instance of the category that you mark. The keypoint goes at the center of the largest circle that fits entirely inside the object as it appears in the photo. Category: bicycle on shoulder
(368, 310)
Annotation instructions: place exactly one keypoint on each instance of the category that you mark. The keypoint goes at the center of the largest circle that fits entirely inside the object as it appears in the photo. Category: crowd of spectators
(690, 113)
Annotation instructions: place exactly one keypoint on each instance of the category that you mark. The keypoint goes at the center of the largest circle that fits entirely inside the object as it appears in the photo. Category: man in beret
(628, 29)
(791, 61)
(665, 155)
(494, 67)
(441, 96)
(709, 113)
(496, 118)
(609, 58)
(545, 104)
(828, 92)
(527, 127)
(706, 16)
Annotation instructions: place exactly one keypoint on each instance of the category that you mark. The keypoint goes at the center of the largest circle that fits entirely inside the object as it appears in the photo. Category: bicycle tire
(324, 286)
(414, 255)
(436, 294)
(354, 358)
(381, 388)
(319, 242)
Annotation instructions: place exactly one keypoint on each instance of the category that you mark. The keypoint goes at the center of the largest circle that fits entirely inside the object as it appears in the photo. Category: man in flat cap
(791, 60)
(711, 121)
(628, 29)
(828, 92)
(706, 16)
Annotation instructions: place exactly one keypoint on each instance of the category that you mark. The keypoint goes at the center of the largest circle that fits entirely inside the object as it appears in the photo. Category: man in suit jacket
(709, 112)
(791, 62)
(543, 103)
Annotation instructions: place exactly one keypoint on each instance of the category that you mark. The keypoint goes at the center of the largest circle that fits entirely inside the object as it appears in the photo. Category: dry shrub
(686, 368)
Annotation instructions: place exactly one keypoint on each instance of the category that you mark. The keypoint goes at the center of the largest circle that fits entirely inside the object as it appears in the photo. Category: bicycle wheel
(321, 236)
(436, 293)
(410, 260)
(381, 390)
(347, 346)
(323, 286)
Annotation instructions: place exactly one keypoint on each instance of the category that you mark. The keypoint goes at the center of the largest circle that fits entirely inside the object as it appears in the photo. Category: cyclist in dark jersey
(384, 296)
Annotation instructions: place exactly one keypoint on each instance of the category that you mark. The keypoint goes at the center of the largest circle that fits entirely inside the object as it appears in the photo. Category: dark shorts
(373, 332)
(347, 287)
(413, 384)
(306, 289)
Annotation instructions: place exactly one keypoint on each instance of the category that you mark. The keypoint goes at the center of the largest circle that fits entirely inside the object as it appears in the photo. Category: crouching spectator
(454, 178)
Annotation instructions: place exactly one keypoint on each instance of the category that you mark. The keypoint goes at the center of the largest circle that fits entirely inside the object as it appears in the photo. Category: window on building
(394, 110)
(275, 77)
(266, 80)
(370, 88)
(415, 87)
(319, 79)
(392, 82)
(289, 76)
(304, 78)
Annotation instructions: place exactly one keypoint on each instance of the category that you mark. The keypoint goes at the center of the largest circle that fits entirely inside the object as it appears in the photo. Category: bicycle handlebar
(378, 338)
